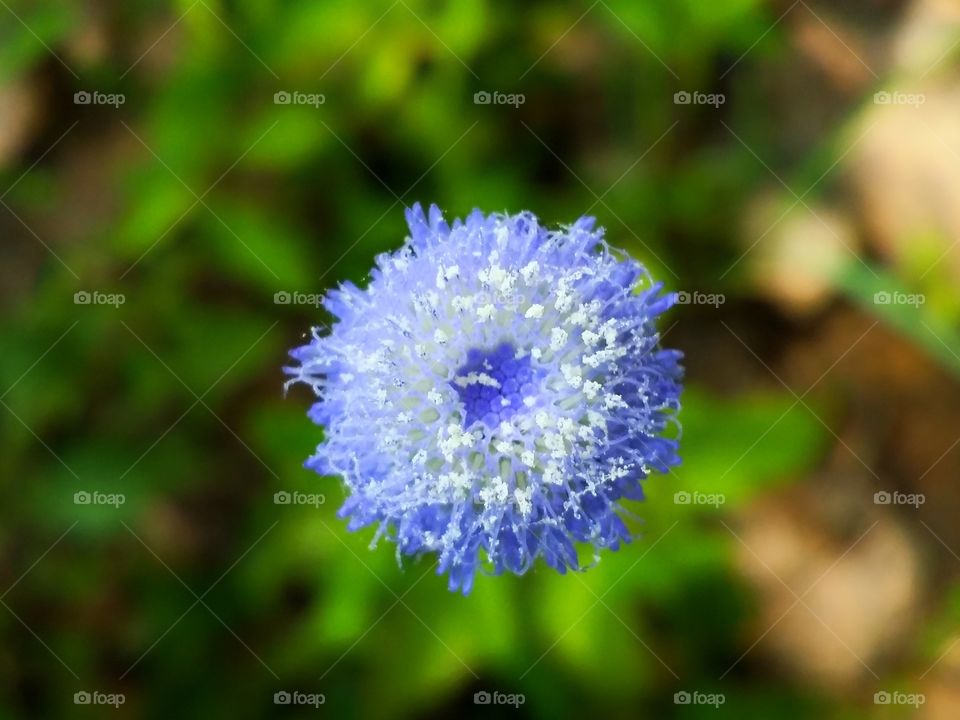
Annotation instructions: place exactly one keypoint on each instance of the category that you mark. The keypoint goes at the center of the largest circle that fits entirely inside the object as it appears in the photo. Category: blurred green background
(148, 163)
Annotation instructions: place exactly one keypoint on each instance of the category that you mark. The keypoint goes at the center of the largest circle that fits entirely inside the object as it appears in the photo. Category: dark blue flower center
(493, 383)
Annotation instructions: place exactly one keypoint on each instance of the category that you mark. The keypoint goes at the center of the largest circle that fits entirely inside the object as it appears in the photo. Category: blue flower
(494, 392)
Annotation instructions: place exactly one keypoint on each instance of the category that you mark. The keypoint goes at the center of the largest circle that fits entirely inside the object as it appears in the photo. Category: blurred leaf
(257, 247)
(19, 48)
(736, 447)
(882, 294)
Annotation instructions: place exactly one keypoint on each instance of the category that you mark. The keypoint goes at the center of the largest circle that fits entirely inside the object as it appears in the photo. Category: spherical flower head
(494, 393)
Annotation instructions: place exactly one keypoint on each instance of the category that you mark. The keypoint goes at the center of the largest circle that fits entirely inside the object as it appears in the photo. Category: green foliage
(218, 199)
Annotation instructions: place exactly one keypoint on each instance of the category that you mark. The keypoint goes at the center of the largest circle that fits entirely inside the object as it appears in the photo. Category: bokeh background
(802, 194)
